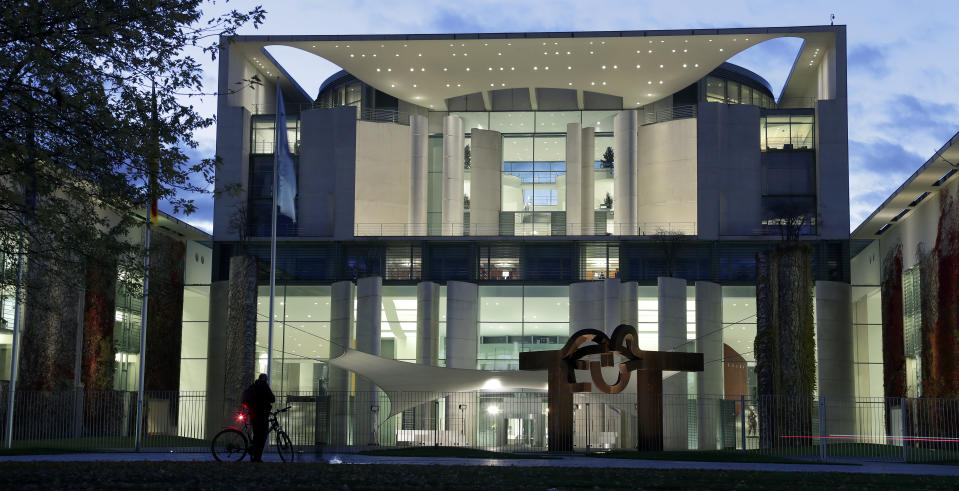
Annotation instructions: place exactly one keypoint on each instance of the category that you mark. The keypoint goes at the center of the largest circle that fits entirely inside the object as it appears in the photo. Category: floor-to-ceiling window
(513, 319)
(301, 335)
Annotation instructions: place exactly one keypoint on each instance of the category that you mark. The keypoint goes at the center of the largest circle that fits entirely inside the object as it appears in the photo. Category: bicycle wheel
(284, 446)
(229, 445)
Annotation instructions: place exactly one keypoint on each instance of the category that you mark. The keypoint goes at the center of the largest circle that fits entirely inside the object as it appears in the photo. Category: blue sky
(903, 61)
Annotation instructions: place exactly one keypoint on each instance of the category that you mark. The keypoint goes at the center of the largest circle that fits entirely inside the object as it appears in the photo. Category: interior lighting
(352, 55)
(389, 69)
(467, 69)
(492, 410)
(444, 69)
(569, 68)
(685, 50)
(604, 67)
(535, 68)
(696, 65)
(490, 68)
(684, 65)
(392, 85)
(499, 54)
(615, 67)
(545, 68)
(512, 68)
(377, 69)
(422, 69)
(592, 83)
(590, 52)
(568, 52)
(660, 66)
(637, 66)
(604, 83)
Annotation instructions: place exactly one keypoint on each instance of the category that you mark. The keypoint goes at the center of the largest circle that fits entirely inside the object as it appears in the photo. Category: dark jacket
(263, 398)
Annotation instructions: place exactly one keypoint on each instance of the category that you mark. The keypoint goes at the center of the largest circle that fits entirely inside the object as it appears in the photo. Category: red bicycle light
(239, 417)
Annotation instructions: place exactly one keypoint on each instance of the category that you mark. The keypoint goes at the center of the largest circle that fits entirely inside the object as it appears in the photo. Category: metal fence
(897, 429)
(519, 228)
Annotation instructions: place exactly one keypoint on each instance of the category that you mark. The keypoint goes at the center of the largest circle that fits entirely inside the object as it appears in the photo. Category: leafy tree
(607, 161)
(93, 96)
(607, 202)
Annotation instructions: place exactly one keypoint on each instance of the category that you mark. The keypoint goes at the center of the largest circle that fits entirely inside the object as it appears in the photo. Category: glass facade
(787, 130)
(732, 92)
(520, 318)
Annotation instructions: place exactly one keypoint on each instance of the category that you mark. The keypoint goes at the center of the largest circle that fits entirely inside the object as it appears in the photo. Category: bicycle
(232, 443)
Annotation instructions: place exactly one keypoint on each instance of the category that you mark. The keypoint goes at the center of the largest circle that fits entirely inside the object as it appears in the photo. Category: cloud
(876, 169)
(882, 157)
(908, 113)
(868, 60)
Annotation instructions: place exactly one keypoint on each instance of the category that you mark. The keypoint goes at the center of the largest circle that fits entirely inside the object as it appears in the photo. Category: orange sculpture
(577, 354)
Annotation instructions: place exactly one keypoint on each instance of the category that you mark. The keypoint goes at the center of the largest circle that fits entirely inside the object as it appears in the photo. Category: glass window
(801, 131)
(747, 95)
(512, 122)
(600, 120)
(473, 120)
(715, 90)
(732, 92)
(556, 121)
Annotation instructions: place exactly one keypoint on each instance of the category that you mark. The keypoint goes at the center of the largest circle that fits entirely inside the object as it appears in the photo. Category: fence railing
(806, 427)
(667, 114)
(521, 229)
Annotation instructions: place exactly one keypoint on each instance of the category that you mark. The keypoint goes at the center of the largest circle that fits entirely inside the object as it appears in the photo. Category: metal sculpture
(577, 354)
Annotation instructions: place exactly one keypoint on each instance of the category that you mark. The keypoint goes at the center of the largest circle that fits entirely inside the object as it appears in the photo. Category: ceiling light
(660, 82)
(545, 68)
(569, 68)
(414, 85)
(571, 83)
(592, 83)
(590, 52)
(720, 50)
(422, 69)
(492, 85)
(389, 69)
(489, 68)
(615, 67)
(392, 85)
(650, 82)
(660, 66)
(685, 50)
(535, 68)
(377, 69)
(467, 69)
(419, 54)
(647, 95)
(604, 83)
(447, 85)
(637, 66)
(352, 55)
(604, 67)
(444, 69)
(499, 54)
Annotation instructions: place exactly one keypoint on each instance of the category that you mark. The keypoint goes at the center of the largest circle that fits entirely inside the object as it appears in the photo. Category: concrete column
(574, 175)
(486, 167)
(369, 306)
(586, 307)
(629, 303)
(835, 355)
(611, 307)
(626, 155)
(709, 382)
(216, 357)
(427, 323)
(587, 191)
(462, 312)
(672, 337)
(419, 174)
(453, 144)
(341, 326)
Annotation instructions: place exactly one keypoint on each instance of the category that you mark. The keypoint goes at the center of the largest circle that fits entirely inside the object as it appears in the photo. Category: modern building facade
(463, 198)
(905, 289)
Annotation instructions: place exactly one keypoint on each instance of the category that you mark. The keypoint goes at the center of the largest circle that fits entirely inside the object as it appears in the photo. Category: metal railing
(805, 427)
(521, 229)
(667, 114)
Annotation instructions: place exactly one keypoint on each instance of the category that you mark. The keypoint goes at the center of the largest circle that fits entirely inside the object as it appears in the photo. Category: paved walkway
(853, 465)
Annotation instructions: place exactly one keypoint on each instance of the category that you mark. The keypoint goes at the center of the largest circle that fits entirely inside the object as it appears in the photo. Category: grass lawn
(214, 475)
(450, 452)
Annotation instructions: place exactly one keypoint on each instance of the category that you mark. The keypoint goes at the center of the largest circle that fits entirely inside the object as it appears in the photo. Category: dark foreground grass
(703, 456)
(450, 452)
(214, 475)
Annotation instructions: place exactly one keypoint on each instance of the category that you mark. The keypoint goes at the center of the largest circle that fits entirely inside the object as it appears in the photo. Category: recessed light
(535, 68)
(604, 67)
(637, 66)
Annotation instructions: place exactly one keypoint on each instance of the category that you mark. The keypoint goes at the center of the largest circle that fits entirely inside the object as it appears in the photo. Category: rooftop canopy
(639, 66)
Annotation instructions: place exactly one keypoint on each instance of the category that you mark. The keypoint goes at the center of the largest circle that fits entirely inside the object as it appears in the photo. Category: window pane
(732, 92)
(511, 122)
(555, 122)
(715, 90)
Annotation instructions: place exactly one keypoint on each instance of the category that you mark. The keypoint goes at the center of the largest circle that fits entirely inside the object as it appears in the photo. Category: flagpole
(276, 153)
(151, 209)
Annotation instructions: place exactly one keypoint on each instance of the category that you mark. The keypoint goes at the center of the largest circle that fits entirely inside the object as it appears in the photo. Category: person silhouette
(260, 405)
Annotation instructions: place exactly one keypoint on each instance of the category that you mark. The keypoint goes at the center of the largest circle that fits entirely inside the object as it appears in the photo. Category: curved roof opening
(307, 69)
(772, 60)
